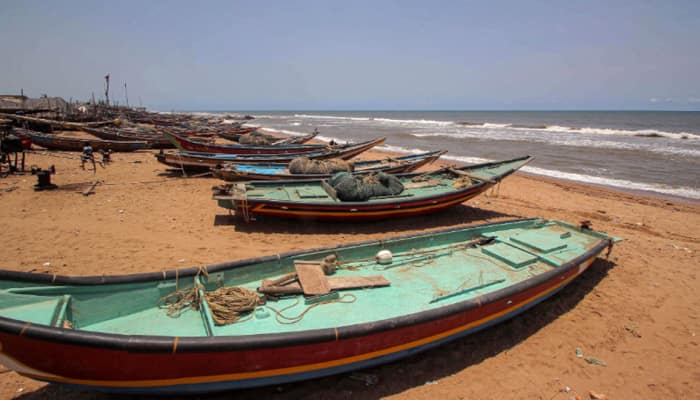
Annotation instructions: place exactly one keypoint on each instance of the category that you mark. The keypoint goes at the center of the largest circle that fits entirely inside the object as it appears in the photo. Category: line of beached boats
(306, 193)
(292, 316)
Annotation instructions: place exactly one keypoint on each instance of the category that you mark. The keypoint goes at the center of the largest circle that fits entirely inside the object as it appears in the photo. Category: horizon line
(418, 110)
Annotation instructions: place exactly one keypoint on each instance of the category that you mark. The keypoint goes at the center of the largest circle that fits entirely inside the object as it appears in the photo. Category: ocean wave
(624, 132)
(414, 121)
(399, 149)
(285, 131)
(270, 116)
(643, 133)
(382, 120)
(466, 160)
(569, 141)
(686, 192)
(329, 139)
(331, 117)
(651, 133)
(488, 125)
(617, 183)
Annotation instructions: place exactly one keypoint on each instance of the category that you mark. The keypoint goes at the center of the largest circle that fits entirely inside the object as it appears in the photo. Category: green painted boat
(306, 314)
(423, 193)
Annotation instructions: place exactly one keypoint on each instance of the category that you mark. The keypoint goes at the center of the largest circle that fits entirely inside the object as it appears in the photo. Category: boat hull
(351, 212)
(205, 161)
(245, 201)
(189, 365)
(154, 140)
(195, 146)
(407, 164)
(77, 144)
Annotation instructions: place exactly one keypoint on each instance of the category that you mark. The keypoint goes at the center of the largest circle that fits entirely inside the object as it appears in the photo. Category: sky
(357, 55)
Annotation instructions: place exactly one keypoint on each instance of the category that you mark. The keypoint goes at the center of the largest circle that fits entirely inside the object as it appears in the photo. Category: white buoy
(384, 257)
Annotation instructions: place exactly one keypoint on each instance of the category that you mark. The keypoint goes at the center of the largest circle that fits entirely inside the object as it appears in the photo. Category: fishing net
(254, 138)
(304, 165)
(351, 188)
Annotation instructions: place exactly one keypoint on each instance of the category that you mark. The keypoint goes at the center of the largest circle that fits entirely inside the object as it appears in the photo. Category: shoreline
(625, 310)
(641, 192)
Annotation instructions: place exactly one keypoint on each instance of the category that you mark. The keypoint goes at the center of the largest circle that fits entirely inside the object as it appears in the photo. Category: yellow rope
(228, 303)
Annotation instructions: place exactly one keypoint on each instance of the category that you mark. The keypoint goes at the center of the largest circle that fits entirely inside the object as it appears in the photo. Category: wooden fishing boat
(385, 300)
(193, 161)
(405, 164)
(186, 144)
(56, 124)
(65, 143)
(423, 194)
(154, 140)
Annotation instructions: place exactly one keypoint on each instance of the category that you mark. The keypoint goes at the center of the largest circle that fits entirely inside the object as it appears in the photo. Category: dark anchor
(44, 178)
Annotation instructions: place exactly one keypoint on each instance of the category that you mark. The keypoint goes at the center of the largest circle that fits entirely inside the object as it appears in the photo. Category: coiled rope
(226, 303)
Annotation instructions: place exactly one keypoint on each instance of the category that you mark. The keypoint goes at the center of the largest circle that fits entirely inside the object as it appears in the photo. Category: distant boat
(66, 143)
(423, 194)
(384, 300)
(186, 144)
(155, 140)
(236, 172)
(194, 161)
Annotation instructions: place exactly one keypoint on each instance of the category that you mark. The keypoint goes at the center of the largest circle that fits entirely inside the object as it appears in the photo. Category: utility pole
(107, 89)
(126, 94)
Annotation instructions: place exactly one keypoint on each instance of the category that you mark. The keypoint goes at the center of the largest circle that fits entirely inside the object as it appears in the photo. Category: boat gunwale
(196, 344)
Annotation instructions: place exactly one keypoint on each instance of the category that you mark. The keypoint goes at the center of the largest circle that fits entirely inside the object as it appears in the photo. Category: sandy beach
(635, 311)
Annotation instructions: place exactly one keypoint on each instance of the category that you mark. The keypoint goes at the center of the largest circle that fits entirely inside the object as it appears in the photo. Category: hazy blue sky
(260, 54)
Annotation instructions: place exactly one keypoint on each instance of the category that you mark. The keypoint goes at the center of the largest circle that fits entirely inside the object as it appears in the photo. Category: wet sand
(635, 311)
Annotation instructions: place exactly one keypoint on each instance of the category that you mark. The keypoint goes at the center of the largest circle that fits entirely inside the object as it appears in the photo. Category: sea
(651, 151)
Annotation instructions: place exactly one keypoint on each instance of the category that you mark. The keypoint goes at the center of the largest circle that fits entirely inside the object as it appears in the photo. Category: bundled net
(351, 188)
(254, 138)
(304, 165)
